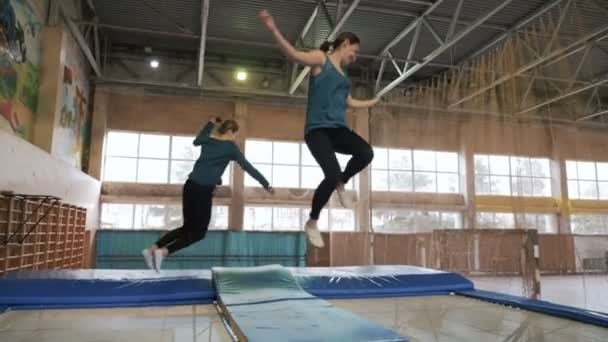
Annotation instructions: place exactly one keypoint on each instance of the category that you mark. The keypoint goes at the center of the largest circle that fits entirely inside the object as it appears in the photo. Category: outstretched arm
(354, 103)
(250, 169)
(311, 58)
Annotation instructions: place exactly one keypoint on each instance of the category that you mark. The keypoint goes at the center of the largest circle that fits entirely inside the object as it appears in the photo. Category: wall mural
(20, 28)
(72, 131)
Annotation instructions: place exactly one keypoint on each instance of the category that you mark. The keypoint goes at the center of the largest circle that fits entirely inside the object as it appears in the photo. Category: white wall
(25, 168)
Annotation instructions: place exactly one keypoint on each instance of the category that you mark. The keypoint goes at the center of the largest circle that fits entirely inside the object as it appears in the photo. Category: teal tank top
(327, 94)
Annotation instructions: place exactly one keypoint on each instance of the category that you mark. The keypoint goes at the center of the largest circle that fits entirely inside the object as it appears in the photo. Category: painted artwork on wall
(71, 137)
(20, 28)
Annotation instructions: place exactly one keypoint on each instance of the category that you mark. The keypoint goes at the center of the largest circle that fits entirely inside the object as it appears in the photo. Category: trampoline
(274, 303)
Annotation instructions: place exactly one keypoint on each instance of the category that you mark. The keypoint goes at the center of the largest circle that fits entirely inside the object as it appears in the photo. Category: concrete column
(362, 210)
(559, 184)
(237, 204)
(467, 175)
(50, 93)
(99, 126)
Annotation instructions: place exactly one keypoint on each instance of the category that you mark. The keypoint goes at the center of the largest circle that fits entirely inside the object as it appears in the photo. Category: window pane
(380, 160)
(154, 146)
(482, 165)
(447, 162)
(311, 177)
(521, 186)
(307, 158)
(285, 176)
(227, 175)
(116, 215)
(505, 220)
(400, 159)
(602, 171)
(450, 221)
(571, 169)
(397, 221)
(180, 171)
(175, 216)
(500, 186)
(342, 160)
(586, 170)
(122, 144)
(541, 187)
(379, 180)
(603, 190)
(499, 165)
(182, 148)
(150, 216)
(424, 161)
(546, 224)
(425, 182)
(540, 167)
(286, 153)
(152, 171)
(266, 170)
(447, 183)
(341, 220)
(495, 220)
(520, 166)
(219, 217)
(588, 190)
(589, 224)
(427, 221)
(400, 181)
(258, 151)
(119, 169)
(258, 218)
(286, 218)
(573, 189)
(482, 185)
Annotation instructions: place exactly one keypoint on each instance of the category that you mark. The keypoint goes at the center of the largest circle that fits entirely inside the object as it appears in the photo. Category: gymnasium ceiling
(172, 28)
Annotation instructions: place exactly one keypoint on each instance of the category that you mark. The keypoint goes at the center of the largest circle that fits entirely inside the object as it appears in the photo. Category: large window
(415, 171)
(512, 176)
(287, 164)
(544, 223)
(413, 221)
(153, 216)
(266, 218)
(150, 158)
(589, 224)
(587, 180)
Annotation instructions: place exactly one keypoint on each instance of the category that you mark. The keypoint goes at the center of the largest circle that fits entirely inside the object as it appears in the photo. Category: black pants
(323, 144)
(196, 206)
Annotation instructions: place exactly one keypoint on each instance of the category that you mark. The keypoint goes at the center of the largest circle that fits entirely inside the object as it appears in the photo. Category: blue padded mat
(547, 308)
(378, 281)
(268, 305)
(107, 288)
(99, 288)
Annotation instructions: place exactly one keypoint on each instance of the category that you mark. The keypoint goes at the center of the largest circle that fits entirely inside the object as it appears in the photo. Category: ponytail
(326, 46)
(227, 126)
(342, 37)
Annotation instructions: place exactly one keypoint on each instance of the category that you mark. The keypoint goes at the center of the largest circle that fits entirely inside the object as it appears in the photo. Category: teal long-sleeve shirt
(214, 158)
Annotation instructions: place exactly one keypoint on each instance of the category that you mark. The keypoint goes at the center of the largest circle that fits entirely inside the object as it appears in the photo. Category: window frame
(413, 171)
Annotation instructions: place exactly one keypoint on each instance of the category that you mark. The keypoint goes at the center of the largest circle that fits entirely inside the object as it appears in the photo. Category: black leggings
(323, 144)
(196, 207)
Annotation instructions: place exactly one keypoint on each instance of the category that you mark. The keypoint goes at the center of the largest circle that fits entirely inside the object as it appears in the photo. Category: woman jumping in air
(326, 131)
(217, 150)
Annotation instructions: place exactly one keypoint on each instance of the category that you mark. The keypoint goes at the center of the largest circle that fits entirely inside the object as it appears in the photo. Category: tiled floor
(456, 319)
(199, 323)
